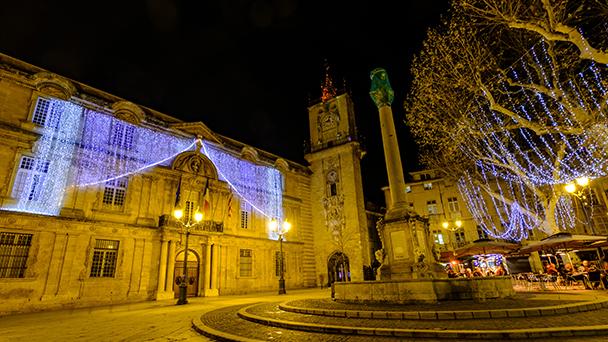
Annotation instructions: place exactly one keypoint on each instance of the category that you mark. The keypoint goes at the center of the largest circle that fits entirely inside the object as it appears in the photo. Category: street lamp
(280, 231)
(447, 226)
(183, 287)
(571, 188)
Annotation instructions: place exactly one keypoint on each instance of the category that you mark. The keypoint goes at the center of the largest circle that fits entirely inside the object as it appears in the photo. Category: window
(600, 224)
(123, 135)
(332, 183)
(114, 194)
(14, 250)
(595, 200)
(277, 262)
(453, 204)
(428, 186)
(30, 178)
(438, 237)
(432, 207)
(245, 215)
(189, 212)
(46, 113)
(246, 263)
(460, 238)
(408, 189)
(105, 255)
(481, 233)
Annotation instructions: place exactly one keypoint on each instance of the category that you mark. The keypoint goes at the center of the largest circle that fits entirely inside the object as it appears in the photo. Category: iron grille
(14, 250)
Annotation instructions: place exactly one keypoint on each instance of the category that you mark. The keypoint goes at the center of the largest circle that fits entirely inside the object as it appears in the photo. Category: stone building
(89, 182)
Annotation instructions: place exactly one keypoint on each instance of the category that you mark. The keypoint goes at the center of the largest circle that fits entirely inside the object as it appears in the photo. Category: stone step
(267, 321)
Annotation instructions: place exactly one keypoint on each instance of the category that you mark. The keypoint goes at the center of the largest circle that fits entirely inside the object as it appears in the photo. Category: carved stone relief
(195, 162)
(335, 219)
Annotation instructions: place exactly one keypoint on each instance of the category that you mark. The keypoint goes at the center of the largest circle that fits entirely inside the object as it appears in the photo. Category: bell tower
(338, 206)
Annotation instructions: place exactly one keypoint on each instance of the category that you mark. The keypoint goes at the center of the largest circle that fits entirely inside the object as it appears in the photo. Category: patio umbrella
(485, 246)
(563, 241)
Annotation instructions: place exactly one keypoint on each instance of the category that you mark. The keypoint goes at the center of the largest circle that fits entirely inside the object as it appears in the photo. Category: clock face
(328, 121)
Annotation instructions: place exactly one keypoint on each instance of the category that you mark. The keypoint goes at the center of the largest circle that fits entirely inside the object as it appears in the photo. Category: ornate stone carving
(195, 162)
(335, 219)
(54, 85)
(128, 111)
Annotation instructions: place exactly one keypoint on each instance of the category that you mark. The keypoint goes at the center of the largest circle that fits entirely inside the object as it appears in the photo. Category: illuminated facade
(88, 183)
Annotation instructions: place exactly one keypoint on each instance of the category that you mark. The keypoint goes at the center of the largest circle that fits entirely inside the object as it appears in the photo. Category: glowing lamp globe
(286, 226)
(198, 216)
(583, 181)
(273, 224)
(178, 213)
(570, 188)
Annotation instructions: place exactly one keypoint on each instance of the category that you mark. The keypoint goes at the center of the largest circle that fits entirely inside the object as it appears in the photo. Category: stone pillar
(171, 268)
(161, 292)
(407, 248)
(211, 270)
(208, 290)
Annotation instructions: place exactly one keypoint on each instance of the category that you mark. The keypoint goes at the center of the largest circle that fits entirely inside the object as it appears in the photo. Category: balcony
(206, 225)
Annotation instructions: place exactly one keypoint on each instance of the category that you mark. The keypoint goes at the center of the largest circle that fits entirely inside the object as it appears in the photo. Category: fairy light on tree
(512, 112)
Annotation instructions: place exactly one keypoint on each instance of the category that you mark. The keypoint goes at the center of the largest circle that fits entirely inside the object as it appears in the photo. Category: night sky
(246, 69)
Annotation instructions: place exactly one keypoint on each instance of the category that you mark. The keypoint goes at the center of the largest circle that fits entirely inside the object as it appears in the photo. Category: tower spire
(328, 89)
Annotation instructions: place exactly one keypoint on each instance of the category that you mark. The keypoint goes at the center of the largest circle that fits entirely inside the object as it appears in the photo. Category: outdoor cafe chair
(594, 278)
(532, 279)
(554, 280)
(572, 280)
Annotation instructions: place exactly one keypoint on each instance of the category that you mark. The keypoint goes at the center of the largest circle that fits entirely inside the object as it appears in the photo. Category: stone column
(383, 96)
(161, 292)
(406, 243)
(214, 266)
(171, 267)
(207, 289)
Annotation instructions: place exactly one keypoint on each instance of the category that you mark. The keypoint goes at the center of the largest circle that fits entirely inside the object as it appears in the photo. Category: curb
(414, 333)
(598, 303)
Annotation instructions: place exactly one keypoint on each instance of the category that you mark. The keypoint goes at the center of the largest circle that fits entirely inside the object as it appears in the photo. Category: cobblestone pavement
(596, 317)
(164, 321)
(227, 320)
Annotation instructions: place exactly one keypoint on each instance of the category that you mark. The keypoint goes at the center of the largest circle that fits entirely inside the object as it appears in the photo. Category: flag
(230, 204)
(206, 197)
(178, 193)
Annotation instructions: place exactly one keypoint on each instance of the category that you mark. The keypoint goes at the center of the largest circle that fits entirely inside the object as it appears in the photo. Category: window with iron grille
(114, 194)
(453, 204)
(46, 113)
(277, 262)
(105, 256)
(246, 263)
(123, 135)
(30, 178)
(14, 251)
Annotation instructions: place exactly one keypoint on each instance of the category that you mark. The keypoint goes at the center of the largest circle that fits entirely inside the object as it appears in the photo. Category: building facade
(89, 182)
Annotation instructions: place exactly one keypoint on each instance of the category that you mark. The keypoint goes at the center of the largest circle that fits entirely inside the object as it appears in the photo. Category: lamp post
(452, 228)
(280, 231)
(582, 183)
(183, 287)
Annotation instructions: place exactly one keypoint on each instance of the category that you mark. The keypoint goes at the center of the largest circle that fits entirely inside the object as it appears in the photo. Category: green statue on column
(381, 92)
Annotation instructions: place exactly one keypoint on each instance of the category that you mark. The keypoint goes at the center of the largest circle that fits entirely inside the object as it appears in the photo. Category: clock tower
(338, 206)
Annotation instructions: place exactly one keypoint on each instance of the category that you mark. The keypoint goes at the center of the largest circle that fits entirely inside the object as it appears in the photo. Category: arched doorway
(338, 268)
(191, 274)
